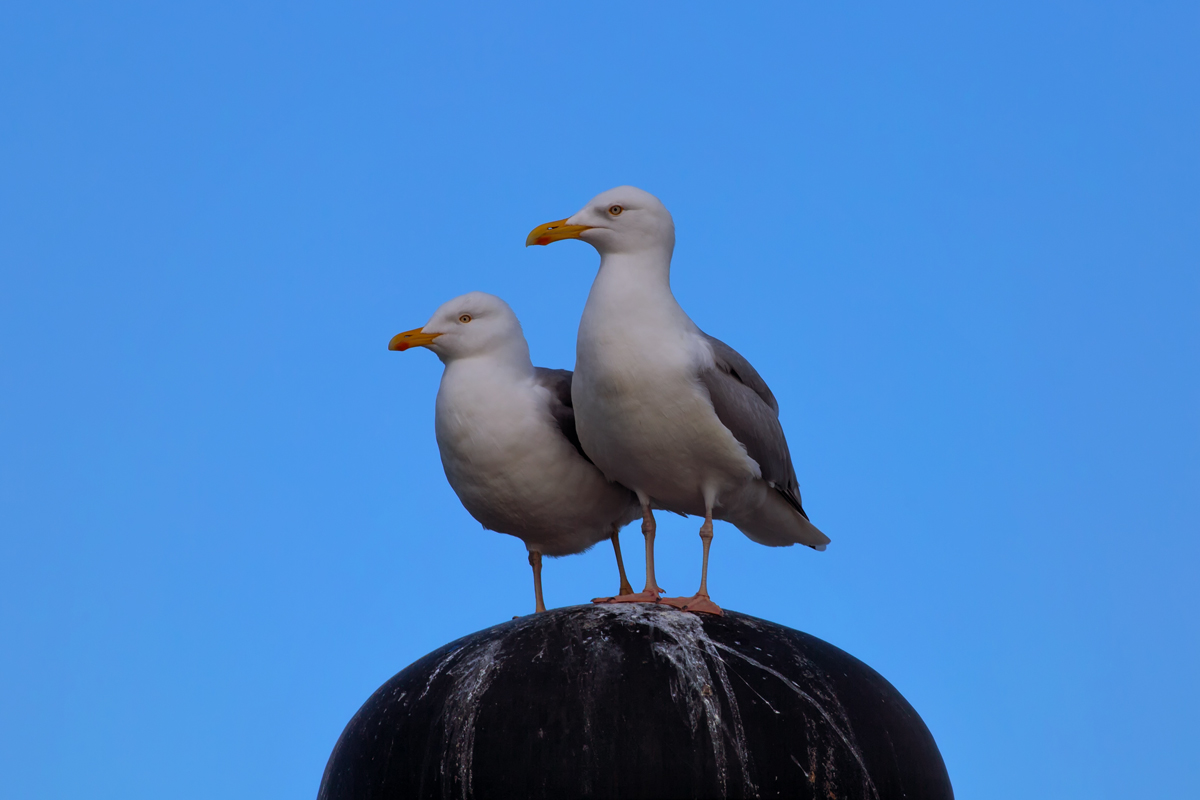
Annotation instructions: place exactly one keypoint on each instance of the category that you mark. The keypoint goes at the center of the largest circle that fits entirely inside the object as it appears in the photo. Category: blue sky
(960, 241)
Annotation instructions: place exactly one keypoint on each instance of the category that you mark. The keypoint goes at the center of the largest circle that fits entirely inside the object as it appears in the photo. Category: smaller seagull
(506, 432)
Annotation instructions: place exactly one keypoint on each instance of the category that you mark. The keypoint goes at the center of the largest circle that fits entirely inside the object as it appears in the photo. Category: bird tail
(776, 523)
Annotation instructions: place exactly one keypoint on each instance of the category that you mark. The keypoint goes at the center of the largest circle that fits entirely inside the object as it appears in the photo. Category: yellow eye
(465, 318)
(615, 210)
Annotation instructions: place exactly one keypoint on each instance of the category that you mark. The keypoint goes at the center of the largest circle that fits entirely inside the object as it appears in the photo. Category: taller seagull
(662, 407)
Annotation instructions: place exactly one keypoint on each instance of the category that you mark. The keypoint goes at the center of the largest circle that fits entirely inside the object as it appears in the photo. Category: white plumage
(506, 434)
(674, 414)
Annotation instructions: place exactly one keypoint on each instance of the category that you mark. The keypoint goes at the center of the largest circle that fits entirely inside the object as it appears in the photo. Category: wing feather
(558, 381)
(745, 405)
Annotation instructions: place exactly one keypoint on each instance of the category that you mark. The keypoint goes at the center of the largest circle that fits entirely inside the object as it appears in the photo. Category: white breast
(642, 414)
(512, 468)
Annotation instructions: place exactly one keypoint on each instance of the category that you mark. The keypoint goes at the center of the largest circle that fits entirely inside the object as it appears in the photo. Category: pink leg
(652, 591)
(625, 587)
(535, 561)
(700, 602)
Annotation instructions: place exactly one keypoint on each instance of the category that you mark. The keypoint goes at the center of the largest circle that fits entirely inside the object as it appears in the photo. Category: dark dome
(636, 701)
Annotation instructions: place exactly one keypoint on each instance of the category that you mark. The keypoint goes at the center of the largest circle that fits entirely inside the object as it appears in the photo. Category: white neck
(630, 304)
(505, 351)
(509, 362)
(638, 283)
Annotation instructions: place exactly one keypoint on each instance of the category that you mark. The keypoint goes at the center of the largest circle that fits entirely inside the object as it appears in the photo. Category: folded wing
(745, 406)
(558, 381)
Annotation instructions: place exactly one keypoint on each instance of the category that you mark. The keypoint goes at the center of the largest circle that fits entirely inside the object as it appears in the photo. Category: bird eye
(465, 318)
(615, 210)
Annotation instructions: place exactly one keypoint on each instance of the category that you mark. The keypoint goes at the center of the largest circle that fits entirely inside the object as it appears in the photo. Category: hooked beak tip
(554, 232)
(417, 337)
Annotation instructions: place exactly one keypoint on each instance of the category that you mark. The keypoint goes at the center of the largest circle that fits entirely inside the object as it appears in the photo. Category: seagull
(678, 416)
(506, 433)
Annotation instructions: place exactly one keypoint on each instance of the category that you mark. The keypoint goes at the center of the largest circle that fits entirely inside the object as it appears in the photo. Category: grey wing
(558, 381)
(745, 406)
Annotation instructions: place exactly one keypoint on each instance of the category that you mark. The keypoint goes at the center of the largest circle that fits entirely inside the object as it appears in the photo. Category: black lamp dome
(636, 701)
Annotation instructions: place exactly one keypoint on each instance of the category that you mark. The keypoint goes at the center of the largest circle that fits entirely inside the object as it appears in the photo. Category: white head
(624, 220)
(475, 324)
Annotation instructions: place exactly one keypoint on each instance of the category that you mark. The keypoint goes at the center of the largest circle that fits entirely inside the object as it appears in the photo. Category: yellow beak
(417, 337)
(554, 231)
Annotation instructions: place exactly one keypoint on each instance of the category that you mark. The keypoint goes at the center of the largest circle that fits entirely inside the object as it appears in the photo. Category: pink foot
(699, 604)
(637, 597)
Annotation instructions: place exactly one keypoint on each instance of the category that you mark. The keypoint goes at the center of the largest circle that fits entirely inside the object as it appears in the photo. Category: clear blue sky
(961, 243)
